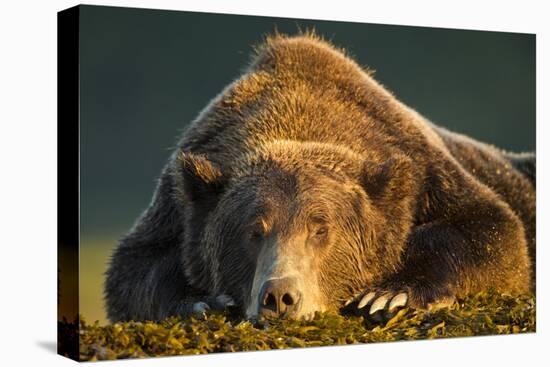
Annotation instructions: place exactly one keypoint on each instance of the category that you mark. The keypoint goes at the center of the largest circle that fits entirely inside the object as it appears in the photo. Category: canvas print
(237, 183)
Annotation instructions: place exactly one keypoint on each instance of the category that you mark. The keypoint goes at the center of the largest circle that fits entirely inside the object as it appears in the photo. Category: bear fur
(306, 165)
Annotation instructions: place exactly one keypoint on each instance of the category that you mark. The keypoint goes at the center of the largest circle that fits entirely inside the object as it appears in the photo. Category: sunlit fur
(305, 136)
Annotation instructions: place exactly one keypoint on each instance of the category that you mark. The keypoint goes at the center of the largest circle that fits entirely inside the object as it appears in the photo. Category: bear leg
(475, 244)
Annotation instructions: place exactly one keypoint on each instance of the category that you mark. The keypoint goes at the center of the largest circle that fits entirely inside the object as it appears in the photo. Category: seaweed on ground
(486, 313)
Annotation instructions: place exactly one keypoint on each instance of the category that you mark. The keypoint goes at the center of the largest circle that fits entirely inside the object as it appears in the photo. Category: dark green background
(145, 74)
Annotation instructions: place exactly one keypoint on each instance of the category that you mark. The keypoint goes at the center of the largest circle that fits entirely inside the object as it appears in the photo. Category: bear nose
(279, 297)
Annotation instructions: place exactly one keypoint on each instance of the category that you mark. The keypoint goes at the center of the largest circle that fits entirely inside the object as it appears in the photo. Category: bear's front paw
(219, 303)
(378, 305)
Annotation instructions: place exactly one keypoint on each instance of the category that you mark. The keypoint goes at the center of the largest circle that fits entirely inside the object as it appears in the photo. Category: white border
(28, 180)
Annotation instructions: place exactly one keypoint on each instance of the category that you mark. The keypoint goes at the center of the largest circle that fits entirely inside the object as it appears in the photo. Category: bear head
(294, 227)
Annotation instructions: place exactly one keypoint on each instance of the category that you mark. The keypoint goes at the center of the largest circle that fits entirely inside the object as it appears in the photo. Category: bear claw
(200, 308)
(400, 300)
(366, 299)
(379, 305)
(225, 301)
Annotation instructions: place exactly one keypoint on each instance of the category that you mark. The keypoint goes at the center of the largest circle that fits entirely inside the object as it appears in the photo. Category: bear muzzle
(280, 297)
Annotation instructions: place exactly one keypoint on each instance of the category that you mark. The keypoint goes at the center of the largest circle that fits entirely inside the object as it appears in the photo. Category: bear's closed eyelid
(321, 230)
(255, 234)
(318, 226)
(258, 229)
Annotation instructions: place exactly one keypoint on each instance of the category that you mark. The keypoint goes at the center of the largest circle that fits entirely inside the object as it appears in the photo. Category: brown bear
(306, 186)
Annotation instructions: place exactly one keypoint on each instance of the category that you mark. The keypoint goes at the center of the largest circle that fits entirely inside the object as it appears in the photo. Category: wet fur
(419, 208)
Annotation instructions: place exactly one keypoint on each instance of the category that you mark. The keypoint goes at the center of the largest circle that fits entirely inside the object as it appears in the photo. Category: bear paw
(219, 303)
(378, 305)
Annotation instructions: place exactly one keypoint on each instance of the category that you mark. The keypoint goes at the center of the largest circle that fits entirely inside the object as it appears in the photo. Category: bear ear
(198, 177)
(388, 180)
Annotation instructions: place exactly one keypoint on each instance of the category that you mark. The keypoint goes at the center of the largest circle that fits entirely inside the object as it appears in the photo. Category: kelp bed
(481, 314)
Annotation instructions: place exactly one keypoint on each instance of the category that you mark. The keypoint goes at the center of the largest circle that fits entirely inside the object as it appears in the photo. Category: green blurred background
(145, 74)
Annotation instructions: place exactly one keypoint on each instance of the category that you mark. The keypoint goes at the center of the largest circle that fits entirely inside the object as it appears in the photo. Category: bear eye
(318, 227)
(255, 235)
(321, 231)
(257, 231)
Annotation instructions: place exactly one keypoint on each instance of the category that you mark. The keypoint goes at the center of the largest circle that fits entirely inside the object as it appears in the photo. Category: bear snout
(280, 297)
